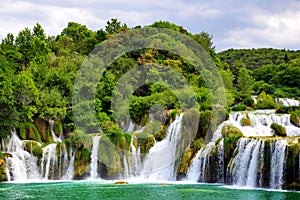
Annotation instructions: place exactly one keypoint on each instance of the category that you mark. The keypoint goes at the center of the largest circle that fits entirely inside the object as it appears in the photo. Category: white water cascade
(55, 138)
(286, 102)
(49, 161)
(277, 163)
(159, 164)
(246, 168)
(261, 121)
(198, 169)
(70, 169)
(94, 157)
(135, 159)
(22, 165)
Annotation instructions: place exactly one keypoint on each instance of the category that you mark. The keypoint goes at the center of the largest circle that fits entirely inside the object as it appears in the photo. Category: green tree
(244, 83)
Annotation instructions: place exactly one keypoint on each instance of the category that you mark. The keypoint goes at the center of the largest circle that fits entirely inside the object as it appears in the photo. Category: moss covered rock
(246, 121)
(3, 169)
(81, 163)
(29, 131)
(33, 147)
(278, 129)
(295, 118)
(230, 130)
(185, 162)
(109, 155)
(146, 141)
(58, 128)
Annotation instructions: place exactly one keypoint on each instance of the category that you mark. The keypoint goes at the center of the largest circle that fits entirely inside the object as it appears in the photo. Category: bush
(265, 101)
(241, 107)
(248, 101)
(278, 129)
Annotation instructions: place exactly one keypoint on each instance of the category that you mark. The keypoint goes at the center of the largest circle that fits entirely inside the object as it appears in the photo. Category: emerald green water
(98, 190)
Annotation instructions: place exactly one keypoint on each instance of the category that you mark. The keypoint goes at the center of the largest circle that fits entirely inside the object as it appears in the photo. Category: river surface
(136, 190)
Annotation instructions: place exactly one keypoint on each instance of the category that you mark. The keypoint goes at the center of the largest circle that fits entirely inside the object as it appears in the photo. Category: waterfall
(199, 167)
(125, 166)
(94, 157)
(22, 165)
(261, 122)
(49, 161)
(286, 102)
(277, 164)
(220, 159)
(246, 168)
(70, 170)
(130, 126)
(159, 164)
(135, 159)
(55, 138)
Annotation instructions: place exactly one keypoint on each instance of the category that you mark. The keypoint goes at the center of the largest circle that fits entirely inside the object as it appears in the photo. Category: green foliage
(81, 140)
(239, 108)
(265, 101)
(197, 144)
(278, 129)
(244, 82)
(248, 101)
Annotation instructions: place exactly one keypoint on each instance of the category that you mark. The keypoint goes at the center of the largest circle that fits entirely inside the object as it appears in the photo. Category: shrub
(241, 107)
(248, 101)
(265, 101)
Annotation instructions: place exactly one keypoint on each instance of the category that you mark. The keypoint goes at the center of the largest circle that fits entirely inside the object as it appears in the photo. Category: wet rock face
(295, 119)
(3, 170)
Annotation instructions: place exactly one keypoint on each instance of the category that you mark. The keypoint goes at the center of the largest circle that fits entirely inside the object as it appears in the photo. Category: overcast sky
(233, 23)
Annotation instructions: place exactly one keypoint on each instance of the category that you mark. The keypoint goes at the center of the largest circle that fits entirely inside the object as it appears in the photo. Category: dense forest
(37, 75)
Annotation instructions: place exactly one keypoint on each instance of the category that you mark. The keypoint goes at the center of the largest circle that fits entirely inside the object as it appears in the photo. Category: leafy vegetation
(37, 74)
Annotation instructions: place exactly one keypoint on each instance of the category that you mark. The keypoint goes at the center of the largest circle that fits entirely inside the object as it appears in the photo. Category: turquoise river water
(153, 191)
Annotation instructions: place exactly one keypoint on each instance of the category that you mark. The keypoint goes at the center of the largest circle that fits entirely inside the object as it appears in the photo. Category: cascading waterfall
(199, 168)
(246, 168)
(135, 165)
(159, 164)
(261, 122)
(94, 157)
(49, 161)
(22, 165)
(286, 102)
(245, 165)
(277, 163)
(70, 170)
(55, 138)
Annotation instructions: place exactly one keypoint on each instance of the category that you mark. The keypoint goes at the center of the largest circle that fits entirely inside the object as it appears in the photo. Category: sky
(232, 23)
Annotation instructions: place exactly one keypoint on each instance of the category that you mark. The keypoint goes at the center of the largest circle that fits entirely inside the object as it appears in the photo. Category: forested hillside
(37, 75)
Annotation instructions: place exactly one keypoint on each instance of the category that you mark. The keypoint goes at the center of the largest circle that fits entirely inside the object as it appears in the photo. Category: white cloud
(233, 23)
(279, 30)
